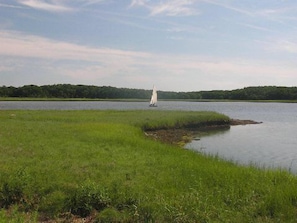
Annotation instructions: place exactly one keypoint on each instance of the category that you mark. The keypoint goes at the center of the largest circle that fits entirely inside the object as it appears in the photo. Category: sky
(177, 45)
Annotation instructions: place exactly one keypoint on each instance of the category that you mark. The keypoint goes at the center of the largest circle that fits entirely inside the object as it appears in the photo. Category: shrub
(14, 190)
(110, 215)
(88, 197)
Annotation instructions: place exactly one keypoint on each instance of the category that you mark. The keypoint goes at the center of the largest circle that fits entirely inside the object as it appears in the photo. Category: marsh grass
(100, 164)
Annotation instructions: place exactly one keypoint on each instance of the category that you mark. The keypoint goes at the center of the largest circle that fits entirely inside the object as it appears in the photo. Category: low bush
(88, 197)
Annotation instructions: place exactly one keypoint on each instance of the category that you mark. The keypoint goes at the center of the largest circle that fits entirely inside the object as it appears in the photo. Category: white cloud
(51, 6)
(173, 8)
(84, 63)
(57, 5)
(9, 6)
(20, 44)
(168, 8)
(76, 61)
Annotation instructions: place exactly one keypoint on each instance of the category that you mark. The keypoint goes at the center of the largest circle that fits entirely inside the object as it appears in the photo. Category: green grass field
(100, 164)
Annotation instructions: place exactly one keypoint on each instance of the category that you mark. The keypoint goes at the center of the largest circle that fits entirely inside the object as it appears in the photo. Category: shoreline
(243, 122)
(182, 136)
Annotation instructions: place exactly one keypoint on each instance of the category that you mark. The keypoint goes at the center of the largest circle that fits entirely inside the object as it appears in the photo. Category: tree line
(253, 93)
(108, 92)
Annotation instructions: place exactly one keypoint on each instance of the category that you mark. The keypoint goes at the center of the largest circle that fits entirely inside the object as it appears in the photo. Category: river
(272, 144)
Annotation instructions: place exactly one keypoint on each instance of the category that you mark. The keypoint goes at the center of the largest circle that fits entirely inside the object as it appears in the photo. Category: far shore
(139, 100)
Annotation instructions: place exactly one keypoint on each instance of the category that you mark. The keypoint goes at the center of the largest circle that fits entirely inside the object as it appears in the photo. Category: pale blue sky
(178, 45)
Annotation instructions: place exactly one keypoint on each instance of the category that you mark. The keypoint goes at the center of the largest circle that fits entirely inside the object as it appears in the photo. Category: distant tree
(108, 92)
(31, 91)
(7, 91)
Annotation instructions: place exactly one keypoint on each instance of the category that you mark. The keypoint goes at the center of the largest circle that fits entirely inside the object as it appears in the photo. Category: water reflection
(202, 134)
(209, 132)
(258, 145)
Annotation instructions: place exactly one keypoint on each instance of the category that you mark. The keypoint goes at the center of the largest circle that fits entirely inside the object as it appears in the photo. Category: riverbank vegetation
(99, 165)
(83, 92)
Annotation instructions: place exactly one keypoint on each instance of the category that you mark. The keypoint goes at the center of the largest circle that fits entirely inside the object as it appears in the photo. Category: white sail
(154, 98)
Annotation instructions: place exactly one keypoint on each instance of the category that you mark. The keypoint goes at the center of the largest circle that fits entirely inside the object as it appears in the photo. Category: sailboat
(154, 98)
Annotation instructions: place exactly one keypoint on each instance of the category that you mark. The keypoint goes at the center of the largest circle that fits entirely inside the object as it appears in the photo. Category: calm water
(271, 144)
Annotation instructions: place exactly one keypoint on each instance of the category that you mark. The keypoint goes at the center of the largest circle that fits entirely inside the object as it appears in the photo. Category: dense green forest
(107, 92)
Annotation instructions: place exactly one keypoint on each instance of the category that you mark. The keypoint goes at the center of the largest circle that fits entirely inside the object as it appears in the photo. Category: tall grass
(100, 164)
